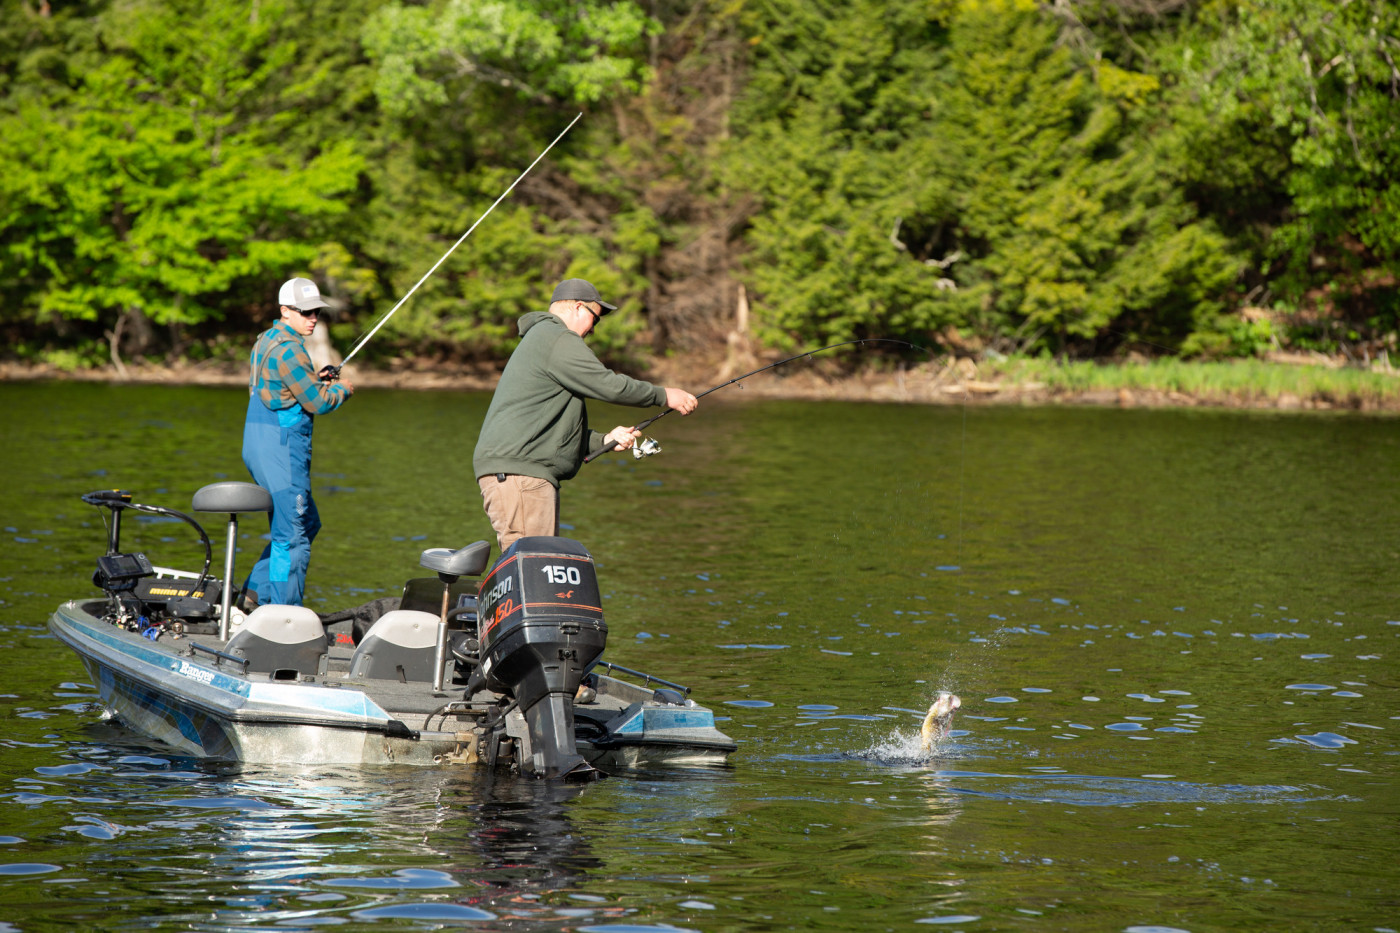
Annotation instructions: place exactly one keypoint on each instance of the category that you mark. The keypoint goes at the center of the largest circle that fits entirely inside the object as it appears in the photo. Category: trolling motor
(141, 595)
(541, 632)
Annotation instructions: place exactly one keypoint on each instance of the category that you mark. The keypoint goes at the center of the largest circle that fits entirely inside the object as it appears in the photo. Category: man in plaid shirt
(284, 396)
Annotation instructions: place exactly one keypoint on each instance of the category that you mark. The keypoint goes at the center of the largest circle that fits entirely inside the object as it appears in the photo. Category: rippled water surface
(1174, 634)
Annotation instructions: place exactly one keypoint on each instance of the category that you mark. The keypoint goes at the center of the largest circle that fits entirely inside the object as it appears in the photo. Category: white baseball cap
(301, 294)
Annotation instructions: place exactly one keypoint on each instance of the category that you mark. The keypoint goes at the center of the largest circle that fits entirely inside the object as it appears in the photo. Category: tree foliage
(834, 134)
(545, 50)
(1321, 81)
(973, 172)
(149, 176)
(471, 93)
(1084, 177)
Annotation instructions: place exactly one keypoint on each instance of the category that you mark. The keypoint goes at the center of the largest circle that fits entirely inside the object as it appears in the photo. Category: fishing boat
(505, 671)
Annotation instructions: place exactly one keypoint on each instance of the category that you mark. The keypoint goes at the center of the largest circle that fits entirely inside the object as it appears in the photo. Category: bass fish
(939, 718)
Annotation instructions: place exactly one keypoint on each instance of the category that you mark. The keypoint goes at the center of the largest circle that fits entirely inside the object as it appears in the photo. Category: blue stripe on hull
(158, 715)
(111, 638)
(650, 719)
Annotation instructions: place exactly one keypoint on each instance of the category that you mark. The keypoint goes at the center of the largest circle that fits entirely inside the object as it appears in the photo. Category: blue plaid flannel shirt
(282, 376)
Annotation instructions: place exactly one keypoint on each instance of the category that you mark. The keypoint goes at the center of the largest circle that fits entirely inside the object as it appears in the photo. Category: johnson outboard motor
(541, 631)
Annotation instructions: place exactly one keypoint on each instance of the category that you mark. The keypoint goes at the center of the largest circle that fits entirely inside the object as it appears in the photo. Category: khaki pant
(520, 506)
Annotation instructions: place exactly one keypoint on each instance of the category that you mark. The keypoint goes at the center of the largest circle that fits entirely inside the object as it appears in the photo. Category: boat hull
(199, 705)
(200, 710)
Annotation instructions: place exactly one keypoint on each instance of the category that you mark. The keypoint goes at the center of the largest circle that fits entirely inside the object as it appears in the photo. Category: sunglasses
(314, 312)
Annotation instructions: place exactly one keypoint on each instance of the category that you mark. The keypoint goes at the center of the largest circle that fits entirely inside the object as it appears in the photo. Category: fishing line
(335, 370)
(612, 446)
(962, 453)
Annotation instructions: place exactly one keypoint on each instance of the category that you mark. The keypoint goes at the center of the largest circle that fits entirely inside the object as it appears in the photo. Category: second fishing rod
(646, 447)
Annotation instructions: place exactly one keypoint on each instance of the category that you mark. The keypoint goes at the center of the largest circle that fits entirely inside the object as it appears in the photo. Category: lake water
(1175, 634)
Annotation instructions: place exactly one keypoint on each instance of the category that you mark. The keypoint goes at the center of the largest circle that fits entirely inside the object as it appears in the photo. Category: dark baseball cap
(579, 290)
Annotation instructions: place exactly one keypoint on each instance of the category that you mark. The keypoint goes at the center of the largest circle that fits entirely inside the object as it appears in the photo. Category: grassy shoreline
(1249, 383)
(1245, 383)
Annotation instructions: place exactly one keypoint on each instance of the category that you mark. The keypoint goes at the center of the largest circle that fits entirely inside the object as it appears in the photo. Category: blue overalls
(277, 451)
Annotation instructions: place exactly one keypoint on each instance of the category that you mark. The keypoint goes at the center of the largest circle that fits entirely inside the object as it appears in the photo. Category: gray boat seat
(232, 497)
(277, 638)
(469, 561)
(401, 646)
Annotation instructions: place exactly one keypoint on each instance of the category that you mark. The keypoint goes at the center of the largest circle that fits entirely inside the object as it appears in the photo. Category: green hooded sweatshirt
(537, 424)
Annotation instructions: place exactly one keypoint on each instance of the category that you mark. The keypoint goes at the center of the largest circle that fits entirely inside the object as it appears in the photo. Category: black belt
(500, 477)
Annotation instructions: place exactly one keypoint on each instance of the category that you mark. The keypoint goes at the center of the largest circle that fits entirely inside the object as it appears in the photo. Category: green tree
(475, 91)
(155, 182)
(1074, 227)
(834, 135)
(548, 51)
(959, 165)
(1314, 85)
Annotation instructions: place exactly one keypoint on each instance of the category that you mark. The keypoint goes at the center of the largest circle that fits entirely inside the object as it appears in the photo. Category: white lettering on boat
(195, 673)
(497, 591)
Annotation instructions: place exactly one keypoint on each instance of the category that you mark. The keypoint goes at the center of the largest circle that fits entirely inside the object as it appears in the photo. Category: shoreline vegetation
(1016, 181)
(1290, 382)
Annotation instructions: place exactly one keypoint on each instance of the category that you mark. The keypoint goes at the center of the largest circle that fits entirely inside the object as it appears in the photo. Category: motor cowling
(541, 632)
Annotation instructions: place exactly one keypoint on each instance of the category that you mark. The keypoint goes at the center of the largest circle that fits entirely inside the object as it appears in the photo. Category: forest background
(995, 179)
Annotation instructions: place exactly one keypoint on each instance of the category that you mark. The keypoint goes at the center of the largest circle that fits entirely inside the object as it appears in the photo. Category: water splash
(930, 743)
(908, 749)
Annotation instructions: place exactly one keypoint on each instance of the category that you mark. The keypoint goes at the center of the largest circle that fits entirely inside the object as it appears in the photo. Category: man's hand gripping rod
(331, 373)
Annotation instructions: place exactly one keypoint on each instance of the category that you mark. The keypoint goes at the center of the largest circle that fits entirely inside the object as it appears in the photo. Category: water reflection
(483, 845)
(297, 849)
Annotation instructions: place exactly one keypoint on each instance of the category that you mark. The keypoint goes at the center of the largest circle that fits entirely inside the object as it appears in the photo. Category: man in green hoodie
(536, 434)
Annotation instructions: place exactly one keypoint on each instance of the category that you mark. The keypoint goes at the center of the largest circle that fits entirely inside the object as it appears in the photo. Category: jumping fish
(939, 718)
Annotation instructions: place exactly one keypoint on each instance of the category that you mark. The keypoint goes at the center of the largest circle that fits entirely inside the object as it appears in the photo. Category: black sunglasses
(313, 312)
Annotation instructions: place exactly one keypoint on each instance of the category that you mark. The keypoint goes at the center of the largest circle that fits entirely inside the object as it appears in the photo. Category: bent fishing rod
(331, 373)
(646, 450)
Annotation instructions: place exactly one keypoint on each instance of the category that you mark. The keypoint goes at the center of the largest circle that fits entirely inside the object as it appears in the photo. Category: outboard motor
(542, 630)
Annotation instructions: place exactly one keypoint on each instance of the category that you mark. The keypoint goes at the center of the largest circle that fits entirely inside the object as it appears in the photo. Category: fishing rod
(645, 451)
(331, 373)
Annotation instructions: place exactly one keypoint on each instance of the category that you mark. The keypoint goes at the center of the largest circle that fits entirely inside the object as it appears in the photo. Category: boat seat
(276, 638)
(401, 646)
(233, 498)
(469, 561)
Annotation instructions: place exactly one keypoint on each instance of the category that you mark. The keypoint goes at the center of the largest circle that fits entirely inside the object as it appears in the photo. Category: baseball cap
(301, 294)
(579, 290)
